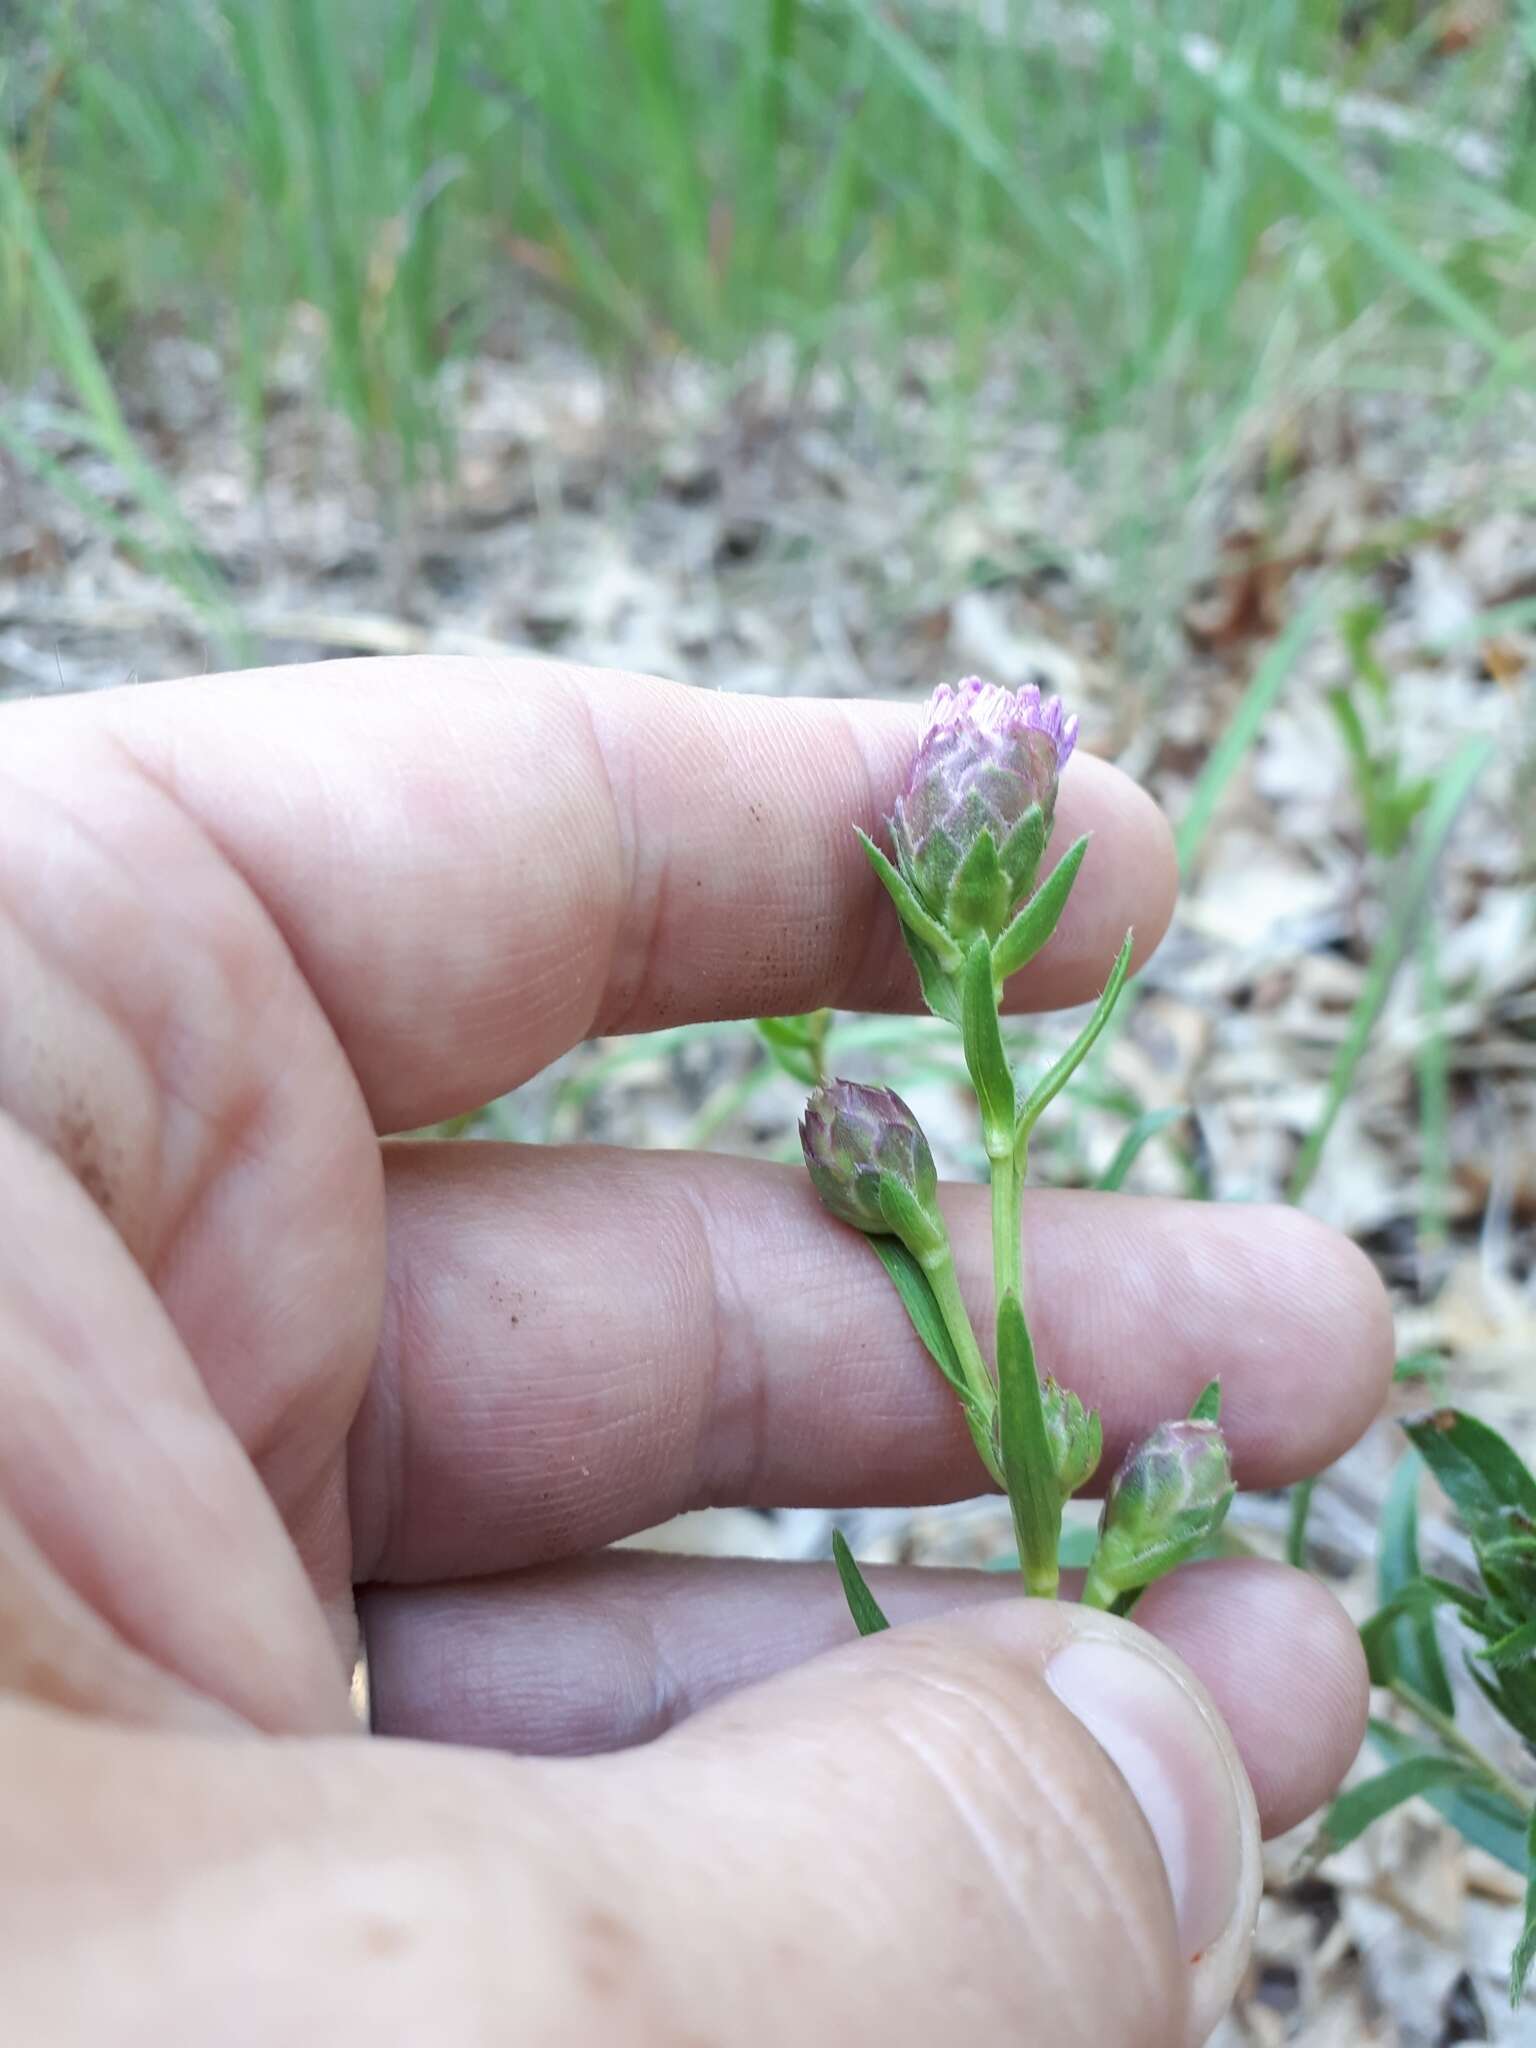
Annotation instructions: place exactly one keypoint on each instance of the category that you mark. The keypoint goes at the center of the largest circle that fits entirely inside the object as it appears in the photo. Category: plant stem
(946, 1292)
(1453, 1738)
(1007, 1203)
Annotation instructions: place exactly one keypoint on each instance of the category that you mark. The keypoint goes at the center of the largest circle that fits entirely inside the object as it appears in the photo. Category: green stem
(1007, 1203)
(1098, 1591)
(940, 1269)
(1448, 1732)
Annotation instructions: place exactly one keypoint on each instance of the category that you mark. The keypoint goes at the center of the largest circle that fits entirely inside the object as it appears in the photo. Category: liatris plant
(969, 833)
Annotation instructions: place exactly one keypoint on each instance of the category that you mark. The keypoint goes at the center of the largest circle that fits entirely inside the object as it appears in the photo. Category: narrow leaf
(1355, 1810)
(985, 1058)
(1028, 1468)
(1207, 1403)
(1130, 1147)
(912, 914)
(923, 1312)
(1050, 1086)
(1452, 789)
(862, 1604)
(1296, 1526)
(1525, 1947)
(936, 981)
(1414, 1602)
(1409, 1649)
(1477, 1812)
(917, 1298)
(1037, 921)
(1243, 727)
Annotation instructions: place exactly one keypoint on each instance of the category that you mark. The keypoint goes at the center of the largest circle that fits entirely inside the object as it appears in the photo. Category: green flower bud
(1076, 1437)
(1169, 1497)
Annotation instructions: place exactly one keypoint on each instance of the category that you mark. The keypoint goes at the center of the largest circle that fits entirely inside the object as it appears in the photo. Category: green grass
(1143, 234)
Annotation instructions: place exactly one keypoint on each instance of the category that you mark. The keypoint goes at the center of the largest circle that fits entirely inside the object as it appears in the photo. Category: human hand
(250, 1360)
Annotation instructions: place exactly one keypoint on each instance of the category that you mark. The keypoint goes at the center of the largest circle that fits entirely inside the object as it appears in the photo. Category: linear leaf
(1296, 1524)
(985, 1059)
(1476, 1812)
(1410, 1647)
(912, 914)
(921, 1305)
(1452, 789)
(1130, 1147)
(1050, 1085)
(1355, 1810)
(862, 1604)
(1028, 1467)
(1525, 1947)
(1037, 921)
(1207, 1403)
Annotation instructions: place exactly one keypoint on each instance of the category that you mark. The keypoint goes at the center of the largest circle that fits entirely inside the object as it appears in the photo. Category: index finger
(476, 864)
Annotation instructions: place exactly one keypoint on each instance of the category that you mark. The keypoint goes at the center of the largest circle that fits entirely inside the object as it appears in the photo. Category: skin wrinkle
(607, 754)
(1017, 1888)
(1102, 1852)
(725, 1459)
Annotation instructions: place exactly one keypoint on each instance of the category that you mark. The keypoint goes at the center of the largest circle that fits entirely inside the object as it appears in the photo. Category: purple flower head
(870, 1163)
(986, 758)
(1170, 1495)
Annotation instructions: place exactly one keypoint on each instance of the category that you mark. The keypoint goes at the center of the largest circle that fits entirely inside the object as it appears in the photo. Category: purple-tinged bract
(856, 1137)
(987, 756)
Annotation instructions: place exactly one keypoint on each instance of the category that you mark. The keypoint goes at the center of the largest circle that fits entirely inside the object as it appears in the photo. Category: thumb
(1022, 1821)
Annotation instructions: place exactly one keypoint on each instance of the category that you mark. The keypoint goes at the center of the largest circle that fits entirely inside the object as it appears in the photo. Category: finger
(476, 865)
(144, 1572)
(1013, 1794)
(1282, 1661)
(609, 1652)
(1017, 1817)
(579, 1344)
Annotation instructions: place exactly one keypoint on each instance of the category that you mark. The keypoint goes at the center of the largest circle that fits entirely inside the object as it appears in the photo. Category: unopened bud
(1076, 1437)
(870, 1164)
(1169, 1497)
(987, 757)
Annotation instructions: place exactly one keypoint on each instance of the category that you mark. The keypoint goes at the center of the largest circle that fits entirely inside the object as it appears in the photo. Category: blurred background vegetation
(1166, 216)
(1183, 354)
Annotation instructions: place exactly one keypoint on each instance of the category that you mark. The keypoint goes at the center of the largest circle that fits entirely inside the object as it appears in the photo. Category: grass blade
(1129, 1149)
(1411, 1647)
(1258, 700)
(1451, 792)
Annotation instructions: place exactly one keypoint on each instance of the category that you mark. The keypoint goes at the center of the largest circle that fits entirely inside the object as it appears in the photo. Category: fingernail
(1164, 1743)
